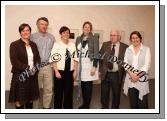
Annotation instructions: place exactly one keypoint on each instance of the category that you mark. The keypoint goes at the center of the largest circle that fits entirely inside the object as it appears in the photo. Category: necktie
(67, 61)
(110, 64)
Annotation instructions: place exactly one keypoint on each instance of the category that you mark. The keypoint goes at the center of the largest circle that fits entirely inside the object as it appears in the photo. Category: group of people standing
(57, 78)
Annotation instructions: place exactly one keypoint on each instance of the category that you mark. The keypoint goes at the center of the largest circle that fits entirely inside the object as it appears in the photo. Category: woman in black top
(24, 56)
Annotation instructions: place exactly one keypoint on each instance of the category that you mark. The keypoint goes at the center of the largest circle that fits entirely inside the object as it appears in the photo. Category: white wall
(125, 18)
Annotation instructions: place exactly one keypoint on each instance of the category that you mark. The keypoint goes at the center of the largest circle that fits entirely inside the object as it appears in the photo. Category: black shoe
(29, 105)
(104, 107)
(83, 107)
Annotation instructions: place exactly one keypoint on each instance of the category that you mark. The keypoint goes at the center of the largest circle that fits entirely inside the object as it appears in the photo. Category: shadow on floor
(95, 103)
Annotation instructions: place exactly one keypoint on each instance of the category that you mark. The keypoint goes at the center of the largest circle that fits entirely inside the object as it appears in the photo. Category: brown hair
(22, 26)
(63, 29)
(89, 23)
(44, 19)
(137, 33)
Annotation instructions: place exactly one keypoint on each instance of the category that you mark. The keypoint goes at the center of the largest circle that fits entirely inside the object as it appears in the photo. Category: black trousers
(112, 81)
(86, 92)
(135, 102)
(63, 90)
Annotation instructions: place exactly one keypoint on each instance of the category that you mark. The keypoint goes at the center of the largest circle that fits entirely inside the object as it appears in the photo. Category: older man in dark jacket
(112, 73)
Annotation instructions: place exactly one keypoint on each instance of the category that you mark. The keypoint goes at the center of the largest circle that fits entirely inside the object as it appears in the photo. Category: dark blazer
(106, 48)
(18, 55)
(93, 46)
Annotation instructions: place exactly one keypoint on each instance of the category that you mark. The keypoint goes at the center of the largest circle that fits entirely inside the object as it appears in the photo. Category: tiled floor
(95, 103)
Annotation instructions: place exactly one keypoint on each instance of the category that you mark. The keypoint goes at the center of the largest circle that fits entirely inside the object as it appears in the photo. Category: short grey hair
(117, 31)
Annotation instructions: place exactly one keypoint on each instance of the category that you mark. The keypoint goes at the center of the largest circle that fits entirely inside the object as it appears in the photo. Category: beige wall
(125, 18)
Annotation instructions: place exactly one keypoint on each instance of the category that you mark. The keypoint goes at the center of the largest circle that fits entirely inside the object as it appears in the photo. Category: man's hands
(75, 75)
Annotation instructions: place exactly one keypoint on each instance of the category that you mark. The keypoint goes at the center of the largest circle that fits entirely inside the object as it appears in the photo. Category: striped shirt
(44, 43)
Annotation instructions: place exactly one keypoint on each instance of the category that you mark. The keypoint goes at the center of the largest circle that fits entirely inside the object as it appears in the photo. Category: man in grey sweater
(44, 42)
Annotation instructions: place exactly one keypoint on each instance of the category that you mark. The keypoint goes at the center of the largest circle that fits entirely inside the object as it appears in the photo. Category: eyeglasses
(114, 35)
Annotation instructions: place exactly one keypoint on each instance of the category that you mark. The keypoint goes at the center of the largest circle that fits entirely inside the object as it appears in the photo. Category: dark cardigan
(18, 55)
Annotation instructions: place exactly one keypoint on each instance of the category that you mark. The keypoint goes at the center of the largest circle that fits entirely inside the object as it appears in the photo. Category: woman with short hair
(65, 70)
(24, 56)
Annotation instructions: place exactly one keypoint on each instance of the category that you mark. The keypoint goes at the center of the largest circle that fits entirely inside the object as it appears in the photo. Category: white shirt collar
(117, 44)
